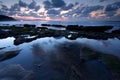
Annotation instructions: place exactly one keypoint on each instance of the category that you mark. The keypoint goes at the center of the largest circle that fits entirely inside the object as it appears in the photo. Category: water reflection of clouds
(110, 46)
(56, 56)
(6, 42)
(106, 46)
(105, 43)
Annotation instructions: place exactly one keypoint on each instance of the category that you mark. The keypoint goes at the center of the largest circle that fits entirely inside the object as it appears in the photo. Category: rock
(19, 40)
(45, 25)
(29, 25)
(88, 28)
(8, 55)
(74, 28)
(2, 48)
(4, 34)
(56, 25)
(97, 28)
(15, 72)
(116, 31)
(42, 28)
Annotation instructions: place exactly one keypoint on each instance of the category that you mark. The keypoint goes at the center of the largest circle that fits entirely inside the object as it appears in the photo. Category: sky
(62, 10)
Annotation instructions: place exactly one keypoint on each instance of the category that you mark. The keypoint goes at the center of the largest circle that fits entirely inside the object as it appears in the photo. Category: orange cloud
(97, 14)
(117, 13)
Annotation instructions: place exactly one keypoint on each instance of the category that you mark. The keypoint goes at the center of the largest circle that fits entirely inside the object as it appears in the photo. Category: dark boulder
(45, 25)
(29, 25)
(116, 31)
(4, 34)
(74, 28)
(19, 40)
(56, 25)
(42, 28)
(8, 55)
(97, 28)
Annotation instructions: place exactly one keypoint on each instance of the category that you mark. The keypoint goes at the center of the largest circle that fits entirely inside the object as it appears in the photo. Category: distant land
(6, 18)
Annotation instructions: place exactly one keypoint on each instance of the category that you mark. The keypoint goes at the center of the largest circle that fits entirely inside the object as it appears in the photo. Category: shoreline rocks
(72, 32)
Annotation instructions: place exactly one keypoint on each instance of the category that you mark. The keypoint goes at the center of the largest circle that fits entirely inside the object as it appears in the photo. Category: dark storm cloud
(15, 7)
(54, 4)
(3, 12)
(102, 0)
(110, 14)
(54, 12)
(47, 5)
(3, 7)
(1, 2)
(58, 3)
(33, 14)
(13, 13)
(113, 7)
(86, 10)
(37, 8)
(22, 4)
(67, 7)
(33, 5)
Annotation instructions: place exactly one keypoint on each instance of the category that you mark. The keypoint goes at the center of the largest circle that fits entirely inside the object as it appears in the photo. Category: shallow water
(51, 58)
(46, 56)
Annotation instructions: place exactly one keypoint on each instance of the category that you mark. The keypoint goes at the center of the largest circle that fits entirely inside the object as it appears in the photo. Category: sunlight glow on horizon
(35, 18)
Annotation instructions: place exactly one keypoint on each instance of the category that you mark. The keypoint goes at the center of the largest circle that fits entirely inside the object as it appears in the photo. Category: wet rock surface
(72, 32)
(15, 72)
(8, 55)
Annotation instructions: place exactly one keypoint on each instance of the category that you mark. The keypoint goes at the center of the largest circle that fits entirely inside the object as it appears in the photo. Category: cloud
(23, 14)
(37, 8)
(15, 7)
(4, 7)
(31, 13)
(1, 2)
(113, 7)
(47, 5)
(85, 11)
(58, 3)
(60, 9)
(102, 0)
(53, 11)
(117, 13)
(55, 4)
(22, 4)
(97, 14)
(3, 12)
(13, 13)
(33, 5)
(67, 7)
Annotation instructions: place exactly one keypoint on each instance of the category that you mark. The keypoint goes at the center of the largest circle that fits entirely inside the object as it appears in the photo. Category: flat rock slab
(95, 70)
(15, 72)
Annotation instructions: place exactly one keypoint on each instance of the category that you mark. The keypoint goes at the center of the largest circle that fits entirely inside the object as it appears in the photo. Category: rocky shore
(71, 32)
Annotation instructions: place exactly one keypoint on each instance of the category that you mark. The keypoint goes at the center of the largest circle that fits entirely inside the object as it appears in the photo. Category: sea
(84, 23)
